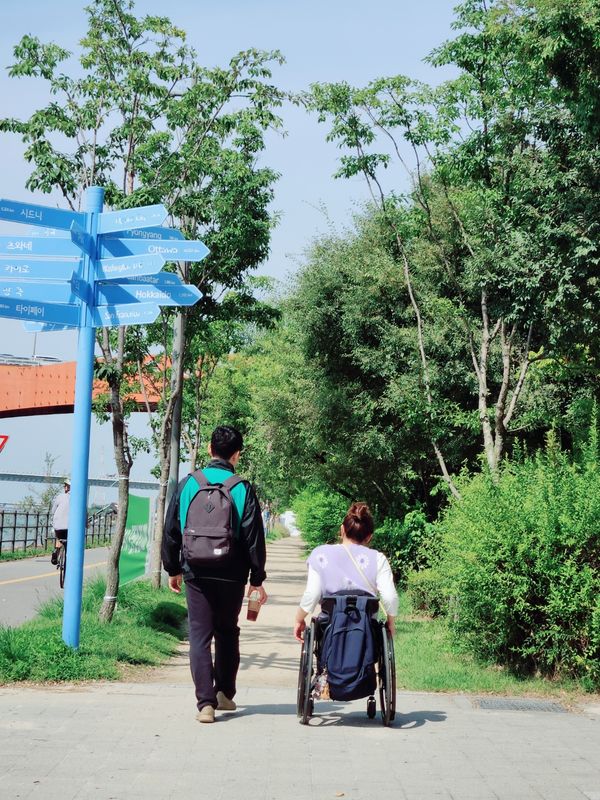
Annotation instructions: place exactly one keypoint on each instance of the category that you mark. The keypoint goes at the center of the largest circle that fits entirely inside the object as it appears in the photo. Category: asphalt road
(26, 584)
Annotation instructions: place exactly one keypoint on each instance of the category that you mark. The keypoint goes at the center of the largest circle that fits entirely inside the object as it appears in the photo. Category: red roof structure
(32, 389)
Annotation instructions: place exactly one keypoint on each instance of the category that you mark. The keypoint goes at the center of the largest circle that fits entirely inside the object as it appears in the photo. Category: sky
(336, 40)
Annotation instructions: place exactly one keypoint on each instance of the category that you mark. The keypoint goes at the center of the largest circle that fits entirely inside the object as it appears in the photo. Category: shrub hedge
(519, 561)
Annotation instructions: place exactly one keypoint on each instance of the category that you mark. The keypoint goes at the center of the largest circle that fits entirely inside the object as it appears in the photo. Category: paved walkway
(123, 741)
(27, 583)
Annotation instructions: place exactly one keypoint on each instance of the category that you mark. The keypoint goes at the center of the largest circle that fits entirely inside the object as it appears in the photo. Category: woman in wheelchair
(346, 579)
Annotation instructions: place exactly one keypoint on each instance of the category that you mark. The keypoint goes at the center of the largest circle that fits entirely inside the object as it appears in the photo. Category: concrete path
(123, 741)
(27, 583)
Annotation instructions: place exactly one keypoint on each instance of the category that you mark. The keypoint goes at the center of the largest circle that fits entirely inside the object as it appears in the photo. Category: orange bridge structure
(29, 386)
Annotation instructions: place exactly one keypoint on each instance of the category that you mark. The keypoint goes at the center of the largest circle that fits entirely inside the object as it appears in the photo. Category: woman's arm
(300, 624)
(387, 590)
(308, 602)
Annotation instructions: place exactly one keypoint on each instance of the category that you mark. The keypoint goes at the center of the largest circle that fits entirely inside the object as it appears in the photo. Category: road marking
(46, 574)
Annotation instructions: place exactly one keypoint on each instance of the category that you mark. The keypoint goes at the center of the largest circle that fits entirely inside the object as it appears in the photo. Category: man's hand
(263, 597)
(299, 628)
(391, 625)
(175, 583)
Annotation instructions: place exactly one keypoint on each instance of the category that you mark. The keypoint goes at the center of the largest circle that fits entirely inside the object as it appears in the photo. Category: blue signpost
(104, 270)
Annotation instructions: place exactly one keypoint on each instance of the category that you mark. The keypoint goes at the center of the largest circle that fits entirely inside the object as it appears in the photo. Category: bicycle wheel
(387, 678)
(62, 564)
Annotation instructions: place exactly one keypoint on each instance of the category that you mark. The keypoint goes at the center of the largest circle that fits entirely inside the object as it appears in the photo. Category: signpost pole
(81, 439)
(101, 288)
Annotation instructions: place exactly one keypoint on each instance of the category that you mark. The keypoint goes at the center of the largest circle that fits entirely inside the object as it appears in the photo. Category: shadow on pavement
(418, 718)
(358, 719)
(334, 715)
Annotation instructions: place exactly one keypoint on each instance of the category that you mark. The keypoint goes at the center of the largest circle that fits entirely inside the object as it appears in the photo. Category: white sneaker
(224, 703)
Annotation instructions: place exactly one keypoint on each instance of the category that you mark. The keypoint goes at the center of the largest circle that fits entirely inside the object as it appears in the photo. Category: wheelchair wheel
(305, 704)
(387, 678)
(371, 708)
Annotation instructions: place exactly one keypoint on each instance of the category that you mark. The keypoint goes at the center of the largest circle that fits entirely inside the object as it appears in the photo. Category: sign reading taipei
(86, 271)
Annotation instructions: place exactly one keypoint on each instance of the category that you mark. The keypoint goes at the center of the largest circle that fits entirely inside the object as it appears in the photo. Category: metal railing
(20, 530)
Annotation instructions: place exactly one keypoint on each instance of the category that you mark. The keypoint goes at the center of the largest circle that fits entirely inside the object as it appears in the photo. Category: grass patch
(146, 627)
(32, 552)
(427, 661)
(278, 531)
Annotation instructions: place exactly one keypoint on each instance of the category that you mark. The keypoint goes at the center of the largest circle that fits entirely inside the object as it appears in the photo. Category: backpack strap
(203, 482)
(200, 478)
(232, 482)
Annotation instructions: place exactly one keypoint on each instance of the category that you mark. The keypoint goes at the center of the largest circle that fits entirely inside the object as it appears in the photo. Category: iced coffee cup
(253, 606)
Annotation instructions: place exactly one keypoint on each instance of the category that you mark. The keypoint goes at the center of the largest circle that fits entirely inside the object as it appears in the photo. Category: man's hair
(225, 441)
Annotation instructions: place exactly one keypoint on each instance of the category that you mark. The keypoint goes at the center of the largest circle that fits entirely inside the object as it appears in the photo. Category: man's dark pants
(213, 610)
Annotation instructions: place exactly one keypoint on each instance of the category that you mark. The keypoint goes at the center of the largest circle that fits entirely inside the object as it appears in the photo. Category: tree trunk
(123, 462)
(159, 524)
(177, 396)
(169, 446)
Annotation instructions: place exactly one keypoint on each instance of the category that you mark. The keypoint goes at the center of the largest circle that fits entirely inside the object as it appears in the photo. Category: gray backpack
(210, 522)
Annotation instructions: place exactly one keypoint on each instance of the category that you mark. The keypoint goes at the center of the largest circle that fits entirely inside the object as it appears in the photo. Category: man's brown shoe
(224, 703)
(206, 714)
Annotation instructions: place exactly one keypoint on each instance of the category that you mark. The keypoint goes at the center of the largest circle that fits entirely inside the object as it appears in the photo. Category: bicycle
(61, 564)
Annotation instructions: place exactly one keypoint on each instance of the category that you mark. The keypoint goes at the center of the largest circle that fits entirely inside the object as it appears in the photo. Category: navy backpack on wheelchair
(350, 650)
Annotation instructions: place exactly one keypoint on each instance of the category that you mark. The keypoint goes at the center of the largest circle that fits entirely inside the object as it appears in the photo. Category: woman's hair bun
(359, 510)
(358, 522)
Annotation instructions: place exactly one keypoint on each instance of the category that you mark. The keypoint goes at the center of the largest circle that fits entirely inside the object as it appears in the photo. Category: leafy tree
(507, 229)
(144, 119)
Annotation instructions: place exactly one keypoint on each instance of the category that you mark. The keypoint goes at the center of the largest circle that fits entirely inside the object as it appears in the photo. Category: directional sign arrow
(38, 215)
(36, 270)
(128, 266)
(38, 291)
(165, 295)
(128, 218)
(81, 288)
(45, 327)
(40, 312)
(160, 279)
(83, 240)
(148, 233)
(20, 246)
(127, 314)
(184, 250)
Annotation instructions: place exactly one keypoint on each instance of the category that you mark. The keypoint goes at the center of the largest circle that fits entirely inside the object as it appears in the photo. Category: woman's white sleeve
(312, 592)
(385, 586)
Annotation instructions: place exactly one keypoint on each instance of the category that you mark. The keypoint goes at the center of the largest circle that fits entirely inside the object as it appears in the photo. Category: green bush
(319, 514)
(146, 627)
(521, 558)
(426, 592)
(403, 542)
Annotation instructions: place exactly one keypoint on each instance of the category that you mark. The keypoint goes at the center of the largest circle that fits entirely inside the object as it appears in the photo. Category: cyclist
(60, 519)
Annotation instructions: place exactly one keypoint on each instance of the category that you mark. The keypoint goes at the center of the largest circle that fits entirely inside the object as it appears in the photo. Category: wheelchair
(310, 662)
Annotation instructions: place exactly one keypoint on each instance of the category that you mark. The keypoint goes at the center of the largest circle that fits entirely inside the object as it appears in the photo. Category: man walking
(214, 539)
(60, 519)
